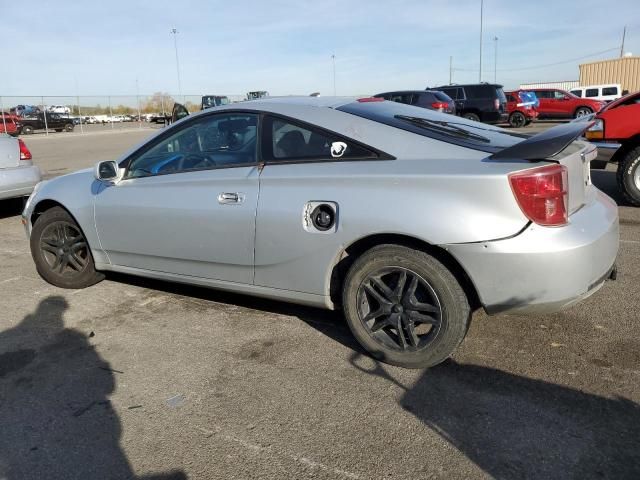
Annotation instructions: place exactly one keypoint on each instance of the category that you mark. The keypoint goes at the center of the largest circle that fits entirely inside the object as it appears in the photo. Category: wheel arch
(352, 252)
(625, 147)
(582, 106)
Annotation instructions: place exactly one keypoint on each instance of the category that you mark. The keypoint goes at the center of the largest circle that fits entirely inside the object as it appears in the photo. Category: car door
(545, 106)
(186, 204)
(306, 170)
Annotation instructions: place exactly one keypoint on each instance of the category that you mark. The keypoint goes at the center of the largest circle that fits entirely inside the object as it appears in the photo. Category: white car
(604, 93)
(18, 174)
(59, 109)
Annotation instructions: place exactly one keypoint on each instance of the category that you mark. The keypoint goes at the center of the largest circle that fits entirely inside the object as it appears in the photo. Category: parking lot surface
(133, 378)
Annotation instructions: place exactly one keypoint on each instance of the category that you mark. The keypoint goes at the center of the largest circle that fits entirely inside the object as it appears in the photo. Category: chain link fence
(96, 112)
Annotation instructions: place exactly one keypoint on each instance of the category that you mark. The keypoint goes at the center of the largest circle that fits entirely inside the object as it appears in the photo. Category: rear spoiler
(545, 144)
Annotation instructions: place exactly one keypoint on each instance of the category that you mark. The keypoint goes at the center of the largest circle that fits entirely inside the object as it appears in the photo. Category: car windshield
(436, 125)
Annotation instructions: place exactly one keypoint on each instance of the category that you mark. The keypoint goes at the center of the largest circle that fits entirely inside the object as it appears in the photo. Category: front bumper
(605, 154)
(545, 269)
(18, 181)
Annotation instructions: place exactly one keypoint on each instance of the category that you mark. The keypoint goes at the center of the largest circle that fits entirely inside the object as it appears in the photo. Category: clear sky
(94, 47)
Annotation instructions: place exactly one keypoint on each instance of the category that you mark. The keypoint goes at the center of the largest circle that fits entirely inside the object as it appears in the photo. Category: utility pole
(450, 70)
(481, 11)
(624, 33)
(333, 59)
(495, 60)
(175, 44)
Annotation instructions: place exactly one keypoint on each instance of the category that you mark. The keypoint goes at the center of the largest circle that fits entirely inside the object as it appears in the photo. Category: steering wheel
(199, 160)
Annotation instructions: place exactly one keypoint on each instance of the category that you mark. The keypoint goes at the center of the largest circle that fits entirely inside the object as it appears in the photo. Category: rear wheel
(404, 307)
(27, 130)
(582, 112)
(628, 176)
(471, 116)
(517, 120)
(69, 127)
(61, 252)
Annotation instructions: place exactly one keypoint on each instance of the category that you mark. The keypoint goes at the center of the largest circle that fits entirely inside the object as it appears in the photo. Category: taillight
(542, 194)
(496, 103)
(25, 154)
(438, 105)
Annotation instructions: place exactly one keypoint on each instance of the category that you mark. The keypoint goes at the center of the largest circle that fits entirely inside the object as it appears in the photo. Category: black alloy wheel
(64, 248)
(61, 252)
(399, 309)
(404, 306)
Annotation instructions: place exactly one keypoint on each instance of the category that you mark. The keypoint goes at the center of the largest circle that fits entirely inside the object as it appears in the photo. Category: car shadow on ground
(330, 323)
(517, 427)
(56, 420)
(11, 207)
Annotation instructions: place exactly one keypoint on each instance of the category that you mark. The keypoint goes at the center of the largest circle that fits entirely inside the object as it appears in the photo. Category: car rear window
(442, 97)
(436, 125)
(480, 91)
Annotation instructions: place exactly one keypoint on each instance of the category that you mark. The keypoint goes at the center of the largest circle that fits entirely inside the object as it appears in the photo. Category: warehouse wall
(625, 71)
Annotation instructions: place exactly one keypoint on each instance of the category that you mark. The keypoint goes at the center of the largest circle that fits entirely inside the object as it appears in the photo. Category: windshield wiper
(443, 127)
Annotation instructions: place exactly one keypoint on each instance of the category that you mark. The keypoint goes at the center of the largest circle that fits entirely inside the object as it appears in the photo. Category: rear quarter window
(480, 91)
(610, 91)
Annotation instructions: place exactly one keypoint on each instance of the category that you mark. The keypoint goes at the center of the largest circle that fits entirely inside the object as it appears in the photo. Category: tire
(471, 116)
(27, 130)
(582, 112)
(65, 264)
(69, 127)
(628, 176)
(517, 120)
(436, 291)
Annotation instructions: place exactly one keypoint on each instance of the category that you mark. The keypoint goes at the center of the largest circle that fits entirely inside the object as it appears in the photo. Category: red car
(616, 132)
(556, 103)
(521, 111)
(9, 124)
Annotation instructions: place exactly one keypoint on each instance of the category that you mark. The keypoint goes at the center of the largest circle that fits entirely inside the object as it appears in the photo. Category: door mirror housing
(107, 171)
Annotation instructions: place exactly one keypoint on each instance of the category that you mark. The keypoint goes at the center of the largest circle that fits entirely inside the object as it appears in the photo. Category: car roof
(470, 85)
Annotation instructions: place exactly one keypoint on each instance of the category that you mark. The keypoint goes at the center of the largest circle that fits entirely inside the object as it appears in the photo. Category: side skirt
(302, 298)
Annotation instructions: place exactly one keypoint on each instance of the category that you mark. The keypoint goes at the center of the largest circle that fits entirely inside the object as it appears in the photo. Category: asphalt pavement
(133, 378)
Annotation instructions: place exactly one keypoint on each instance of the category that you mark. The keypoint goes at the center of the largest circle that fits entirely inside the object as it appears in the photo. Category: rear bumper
(545, 269)
(18, 181)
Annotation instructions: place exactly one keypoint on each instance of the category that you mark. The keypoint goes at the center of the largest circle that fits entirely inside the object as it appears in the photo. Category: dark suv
(482, 102)
(431, 99)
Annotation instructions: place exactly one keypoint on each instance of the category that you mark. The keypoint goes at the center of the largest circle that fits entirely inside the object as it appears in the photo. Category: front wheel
(404, 307)
(69, 127)
(582, 112)
(61, 252)
(27, 130)
(628, 176)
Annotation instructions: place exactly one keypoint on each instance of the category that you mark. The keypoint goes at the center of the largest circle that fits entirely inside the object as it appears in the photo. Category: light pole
(495, 60)
(175, 44)
(333, 59)
(481, 9)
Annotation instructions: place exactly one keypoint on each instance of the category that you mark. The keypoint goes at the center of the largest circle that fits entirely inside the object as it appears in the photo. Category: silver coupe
(406, 219)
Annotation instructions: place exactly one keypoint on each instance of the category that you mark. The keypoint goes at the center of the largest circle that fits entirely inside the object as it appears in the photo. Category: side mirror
(107, 171)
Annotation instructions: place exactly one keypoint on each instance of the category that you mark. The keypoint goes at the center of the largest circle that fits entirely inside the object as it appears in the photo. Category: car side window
(591, 92)
(610, 91)
(213, 141)
(290, 141)
(558, 95)
(452, 92)
(577, 93)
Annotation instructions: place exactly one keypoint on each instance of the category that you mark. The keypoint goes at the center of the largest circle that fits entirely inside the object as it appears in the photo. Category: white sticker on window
(338, 149)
